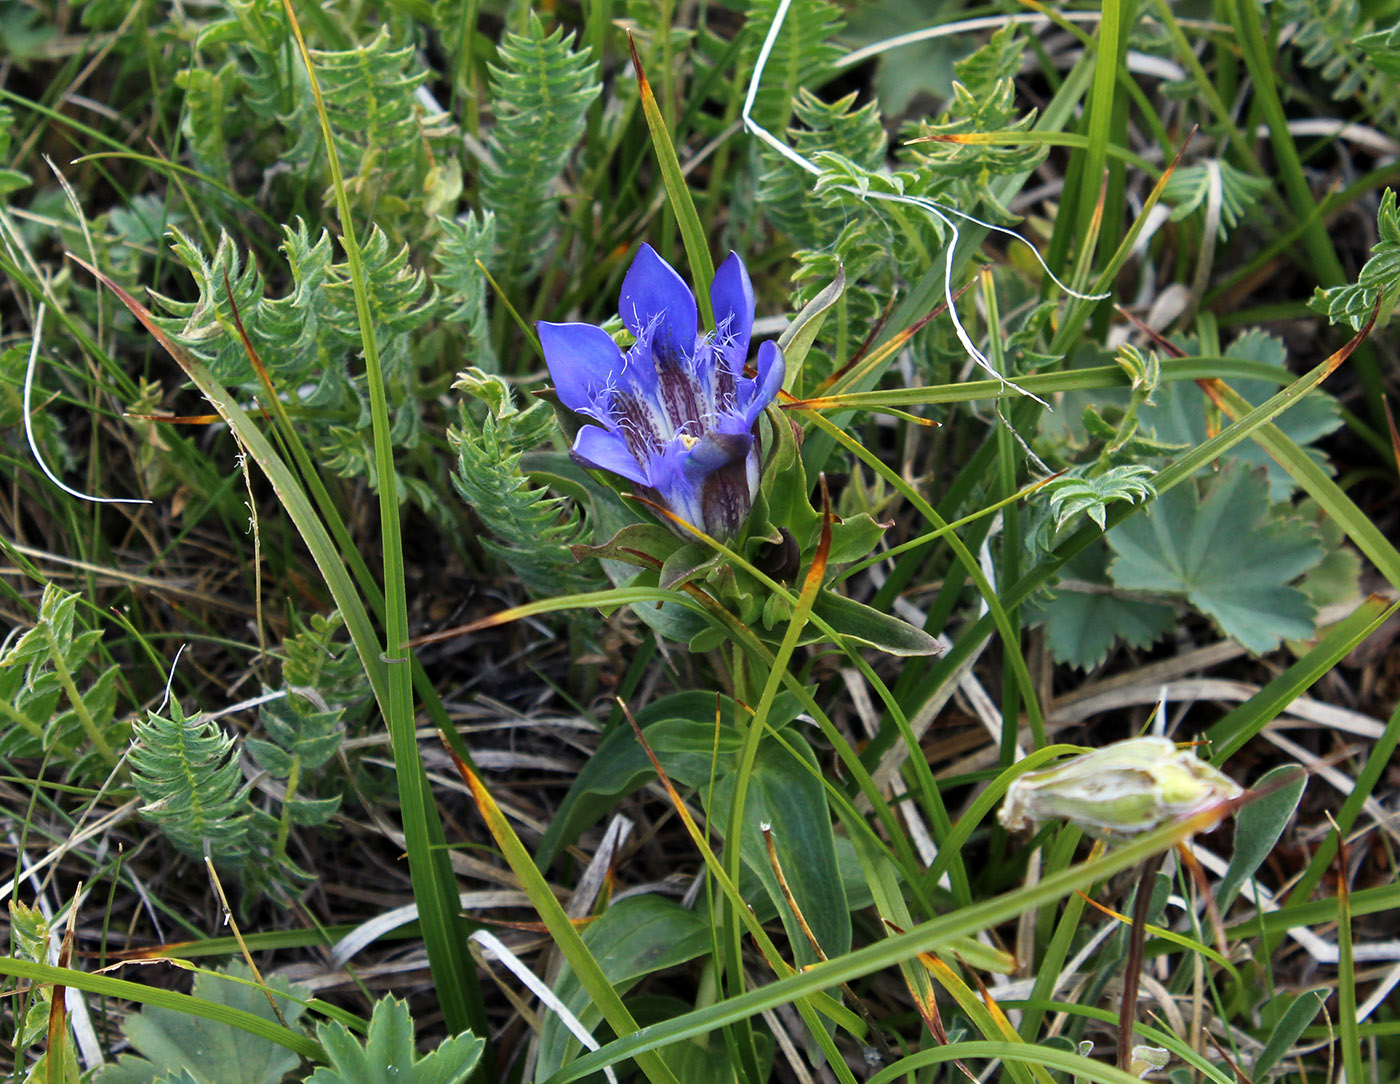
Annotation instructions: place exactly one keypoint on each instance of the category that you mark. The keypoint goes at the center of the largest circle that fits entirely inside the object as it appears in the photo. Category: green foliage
(11, 180)
(1327, 38)
(45, 424)
(632, 939)
(1258, 827)
(187, 771)
(1087, 615)
(324, 686)
(308, 338)
(379, 125)
(48, 703)
(1382, 48)
(461, 243)
(186, 774)
(176, 1048)
(536, 531)
(317, 664)
(541, 91)
(837, 127)
(1188, 190)
(560, 184)
(838, 232)
(1082, 625)
(801, 56)
(387, 1055)
(1179, 413)
(1226, 554)
(30, 935)
(253, 101)
(984, 100)
(1380, 278)
(1078, 491)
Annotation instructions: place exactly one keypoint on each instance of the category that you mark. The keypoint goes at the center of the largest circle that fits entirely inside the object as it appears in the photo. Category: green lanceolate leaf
(1259, 825)
(1217, 544)
(791, 801)
(632, 939)
(867, 625)
(681, 732)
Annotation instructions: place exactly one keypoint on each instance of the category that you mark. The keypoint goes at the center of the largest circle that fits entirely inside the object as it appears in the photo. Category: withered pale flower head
(1124, 789)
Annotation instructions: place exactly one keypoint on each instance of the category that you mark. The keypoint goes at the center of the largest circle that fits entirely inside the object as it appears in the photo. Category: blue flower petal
(677, 490)
(732, 297)
(602, 450)
(652, 291)
(760, 392)
(582, 360)
(723, 446)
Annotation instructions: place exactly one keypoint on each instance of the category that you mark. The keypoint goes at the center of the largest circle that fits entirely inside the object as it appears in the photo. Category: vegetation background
(326, 667)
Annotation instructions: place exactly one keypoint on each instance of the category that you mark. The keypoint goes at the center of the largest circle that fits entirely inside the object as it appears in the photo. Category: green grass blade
(697, 249)
(106, 986)
(882, 954)
(561, 929)
(1244, 722)
(430, 867)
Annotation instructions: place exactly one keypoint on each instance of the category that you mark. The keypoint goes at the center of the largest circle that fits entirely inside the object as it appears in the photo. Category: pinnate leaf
(1354, 303)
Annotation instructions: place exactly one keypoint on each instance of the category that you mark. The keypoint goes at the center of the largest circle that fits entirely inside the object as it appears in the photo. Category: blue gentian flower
(675, 414)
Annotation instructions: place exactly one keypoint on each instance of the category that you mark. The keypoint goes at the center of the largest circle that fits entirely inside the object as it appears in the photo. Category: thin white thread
(29, 425)
(494, 947)
(170, 680)
(937, 210)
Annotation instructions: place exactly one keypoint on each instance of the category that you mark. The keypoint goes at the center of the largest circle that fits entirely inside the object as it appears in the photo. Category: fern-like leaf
(1188, 189)
(838, 231)
(1354, 304)
(377, 122)
(801, 58)
(1325, 35)
(58, 709)
(534, 529)
(541, 92)
(984, 100)
(462, 243)
(186, 773)
(309, 337)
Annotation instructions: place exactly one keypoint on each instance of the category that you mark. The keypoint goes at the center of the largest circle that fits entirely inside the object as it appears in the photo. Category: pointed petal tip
(653, 291)
(733, 301)
(580, 357)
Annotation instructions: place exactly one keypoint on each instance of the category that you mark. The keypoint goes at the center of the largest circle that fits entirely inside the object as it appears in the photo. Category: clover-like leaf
(1227, 554)
(388, 1056)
